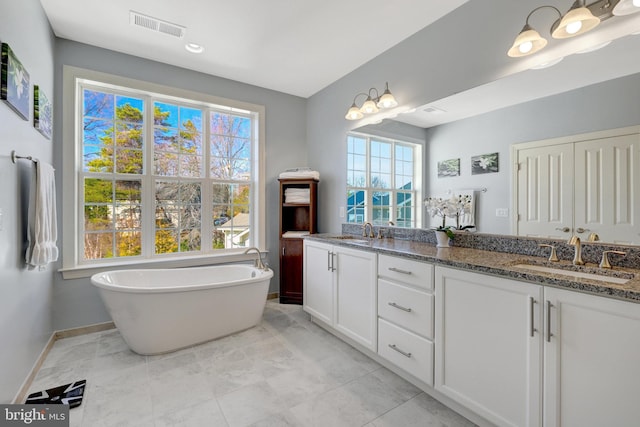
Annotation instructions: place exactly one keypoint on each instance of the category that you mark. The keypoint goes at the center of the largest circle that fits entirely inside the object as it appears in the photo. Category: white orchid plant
(453, 207)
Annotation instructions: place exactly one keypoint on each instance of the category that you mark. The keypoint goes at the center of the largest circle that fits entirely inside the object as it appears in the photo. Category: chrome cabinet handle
(397, 270)
(532, 303)
(549, 334)
(405, 354)
(563, 229)
(581, 230)
(329, 260)
(399, 307)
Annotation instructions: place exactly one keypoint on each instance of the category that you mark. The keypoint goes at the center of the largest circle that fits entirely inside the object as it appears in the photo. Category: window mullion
(148, 184)
(369, 192)
(206, 190)
(394, 188)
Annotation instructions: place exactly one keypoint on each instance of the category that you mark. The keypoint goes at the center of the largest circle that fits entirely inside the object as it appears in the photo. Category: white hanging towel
(42, 231)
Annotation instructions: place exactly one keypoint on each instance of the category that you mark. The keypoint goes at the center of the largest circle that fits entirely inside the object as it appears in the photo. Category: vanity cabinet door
(591, 368)
(355, 296)
(488, 345)
(317, 296)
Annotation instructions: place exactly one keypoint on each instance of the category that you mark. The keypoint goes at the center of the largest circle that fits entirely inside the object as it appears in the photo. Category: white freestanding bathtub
(162, 310)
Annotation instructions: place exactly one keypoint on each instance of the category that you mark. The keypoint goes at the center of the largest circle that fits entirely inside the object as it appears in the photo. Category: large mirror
(590, 92)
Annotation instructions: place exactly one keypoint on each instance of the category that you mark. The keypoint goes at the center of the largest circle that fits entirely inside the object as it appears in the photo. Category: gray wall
(25, 295)
(76, 302)
(608, 105)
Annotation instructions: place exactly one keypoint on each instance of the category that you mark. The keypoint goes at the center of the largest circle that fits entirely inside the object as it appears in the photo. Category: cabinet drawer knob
(405, 354)
(397, 270)
(399, 307)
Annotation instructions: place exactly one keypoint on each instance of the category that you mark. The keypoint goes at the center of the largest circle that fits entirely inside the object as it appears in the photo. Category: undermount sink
(352, 239)
(620, 279)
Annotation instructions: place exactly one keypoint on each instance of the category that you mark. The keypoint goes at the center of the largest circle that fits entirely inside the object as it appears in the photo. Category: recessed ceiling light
(594, 48)
(194, 48)
(547, 64)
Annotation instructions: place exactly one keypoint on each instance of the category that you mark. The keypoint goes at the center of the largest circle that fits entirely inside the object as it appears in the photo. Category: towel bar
(15, 157)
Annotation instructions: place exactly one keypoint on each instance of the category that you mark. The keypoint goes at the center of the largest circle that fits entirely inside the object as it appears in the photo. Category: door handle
(549, 334)
(563, 229)
(581, 230)
(532, 303)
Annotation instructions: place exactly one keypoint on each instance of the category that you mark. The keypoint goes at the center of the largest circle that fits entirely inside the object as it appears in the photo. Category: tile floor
(284, 372)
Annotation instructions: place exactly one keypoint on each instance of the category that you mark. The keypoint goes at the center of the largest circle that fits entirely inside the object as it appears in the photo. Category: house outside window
(161, 177)
(383, 181)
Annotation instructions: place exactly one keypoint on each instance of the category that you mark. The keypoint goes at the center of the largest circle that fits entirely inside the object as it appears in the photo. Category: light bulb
(525, 47)
(574, 27)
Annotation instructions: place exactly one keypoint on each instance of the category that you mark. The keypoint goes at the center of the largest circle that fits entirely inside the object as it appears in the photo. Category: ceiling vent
(155, 24)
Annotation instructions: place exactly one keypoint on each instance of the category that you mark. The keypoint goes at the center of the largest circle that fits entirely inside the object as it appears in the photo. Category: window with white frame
(383, 181)
(161, 176)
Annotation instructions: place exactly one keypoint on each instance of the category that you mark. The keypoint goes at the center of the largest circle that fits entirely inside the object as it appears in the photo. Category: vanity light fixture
(626, 7)
(578, 20)
(372, 104)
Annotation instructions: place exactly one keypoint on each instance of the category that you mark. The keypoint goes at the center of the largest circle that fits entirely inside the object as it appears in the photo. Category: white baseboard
(56, 335)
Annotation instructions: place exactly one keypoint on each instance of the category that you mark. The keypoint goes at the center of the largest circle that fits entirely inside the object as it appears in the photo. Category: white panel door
(606, 187)
(591, 369)
(488, 345)
(317, 296)
(545, 191)
(355, 298)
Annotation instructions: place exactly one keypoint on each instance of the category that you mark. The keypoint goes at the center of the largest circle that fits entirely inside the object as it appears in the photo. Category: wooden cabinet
(291, 271)
(591, 369)
(298, 216)
(488, 345)
(405, 315)
(339, 290)
(521, 354)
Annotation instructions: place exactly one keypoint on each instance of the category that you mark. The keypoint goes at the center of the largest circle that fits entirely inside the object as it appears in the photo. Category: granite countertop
(499, 264)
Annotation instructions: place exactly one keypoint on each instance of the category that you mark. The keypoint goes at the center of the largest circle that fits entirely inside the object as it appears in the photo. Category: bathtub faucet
(259, 264)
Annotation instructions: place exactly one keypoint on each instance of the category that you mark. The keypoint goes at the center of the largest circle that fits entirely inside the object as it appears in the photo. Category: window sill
(83, 271)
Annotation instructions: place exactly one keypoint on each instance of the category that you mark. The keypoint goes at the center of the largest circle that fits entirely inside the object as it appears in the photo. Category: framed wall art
(484, 163)
(42, 112)
(447, 168)
(14, 83)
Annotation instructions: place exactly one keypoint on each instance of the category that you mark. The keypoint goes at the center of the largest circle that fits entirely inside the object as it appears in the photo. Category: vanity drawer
(406, 350)
(406, 307)
(405, 270)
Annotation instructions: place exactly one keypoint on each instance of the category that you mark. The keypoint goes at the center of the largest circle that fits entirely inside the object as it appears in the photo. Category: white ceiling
(301, 46)
(292, 46)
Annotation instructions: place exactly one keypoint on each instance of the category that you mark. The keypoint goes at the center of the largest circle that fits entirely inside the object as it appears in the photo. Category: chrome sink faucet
(577, 258)
(364, 230)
